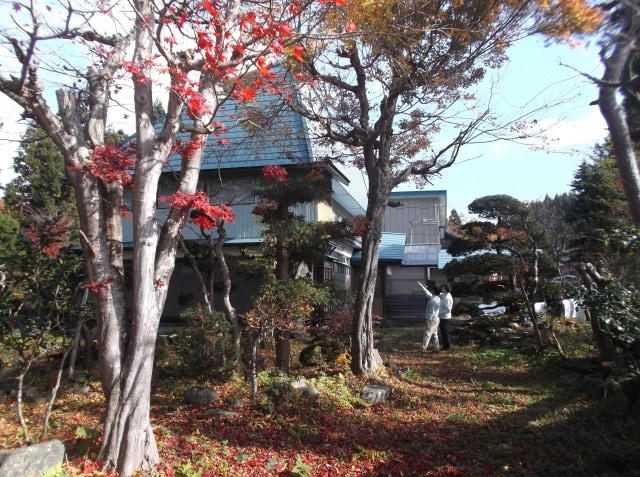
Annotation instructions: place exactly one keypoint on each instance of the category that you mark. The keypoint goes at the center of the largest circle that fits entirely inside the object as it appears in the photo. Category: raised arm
(425, 290)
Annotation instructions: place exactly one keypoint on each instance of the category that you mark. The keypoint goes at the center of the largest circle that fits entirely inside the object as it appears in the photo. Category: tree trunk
(229, 310)
(251, 339)
(207, 291)
(88, 347)
(282, 336)
(74, 349)
(615, 57)
(283, 349)
(602, 339)
(593, 280)
(128, 442)
(362, 344)
(530, 306)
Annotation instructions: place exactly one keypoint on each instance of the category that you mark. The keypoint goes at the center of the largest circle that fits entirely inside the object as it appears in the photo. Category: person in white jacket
(446, 304)
(431, 319)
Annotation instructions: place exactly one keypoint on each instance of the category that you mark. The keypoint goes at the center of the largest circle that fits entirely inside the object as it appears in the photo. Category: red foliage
(47, 236)
(197, 106)
(264, 208)
(206, 215)
(298, 53)
(361, 224)
(244, 93)
(188, 148)
(113, 163)
(275, 172)
(99, 285)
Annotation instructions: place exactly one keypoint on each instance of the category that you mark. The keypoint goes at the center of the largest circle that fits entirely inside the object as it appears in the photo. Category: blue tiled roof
(391, 248)
(258, 133)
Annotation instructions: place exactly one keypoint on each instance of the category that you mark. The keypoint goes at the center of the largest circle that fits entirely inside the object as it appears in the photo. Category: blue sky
(516, 170)
(535, 74)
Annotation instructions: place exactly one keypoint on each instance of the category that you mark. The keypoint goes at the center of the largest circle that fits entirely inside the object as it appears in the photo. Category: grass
(474, 411)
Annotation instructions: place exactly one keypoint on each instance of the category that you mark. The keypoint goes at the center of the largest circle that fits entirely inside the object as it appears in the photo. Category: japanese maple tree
(392, 87)
(194, 53)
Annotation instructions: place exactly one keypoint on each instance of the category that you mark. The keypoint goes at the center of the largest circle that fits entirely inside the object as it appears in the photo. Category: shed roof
(423, 254)
(391, 248)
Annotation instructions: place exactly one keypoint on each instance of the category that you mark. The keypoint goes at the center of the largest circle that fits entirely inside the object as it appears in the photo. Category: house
(410, 251)
(260, 133)
(266, 132)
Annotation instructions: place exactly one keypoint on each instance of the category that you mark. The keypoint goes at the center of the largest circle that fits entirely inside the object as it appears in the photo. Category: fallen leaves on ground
(450, 414)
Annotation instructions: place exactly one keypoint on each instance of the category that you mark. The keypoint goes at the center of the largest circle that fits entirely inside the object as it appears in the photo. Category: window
(233, 192)
(328, 274)
(254, 119)
(166, 188)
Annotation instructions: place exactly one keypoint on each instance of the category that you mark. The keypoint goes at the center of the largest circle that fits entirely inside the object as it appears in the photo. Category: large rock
(31, 460)
(199, 396)
(373, 393)
(221, 413)
(305, 389)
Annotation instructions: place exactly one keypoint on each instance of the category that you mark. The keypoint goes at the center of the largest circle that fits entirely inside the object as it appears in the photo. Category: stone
(199, 396)
(233, 402)
(592, 385)
(373, 393)
(309, 391)
(618, 403)
(79, 390)
(31, 460)
(480, 335)
(221, 413)
(393, 369)
(610, 387)
(609, 368)
(635, 412)
(300, 383)
(305, 389)
(570, 379)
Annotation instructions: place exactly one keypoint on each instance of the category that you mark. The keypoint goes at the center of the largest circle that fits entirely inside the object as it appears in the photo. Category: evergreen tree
(9, 227)
(289, 240)
(40, 178)
(600, 205)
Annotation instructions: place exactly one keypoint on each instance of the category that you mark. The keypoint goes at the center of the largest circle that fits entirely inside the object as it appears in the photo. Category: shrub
(618, 309)
(333, 336)
(205, 347)
(466, 308)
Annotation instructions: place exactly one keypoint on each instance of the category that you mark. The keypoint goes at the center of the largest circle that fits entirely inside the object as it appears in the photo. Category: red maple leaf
(244, 93)
(298, 53)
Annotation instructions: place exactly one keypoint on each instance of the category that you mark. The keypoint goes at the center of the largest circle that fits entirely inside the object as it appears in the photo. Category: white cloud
(581, 132)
